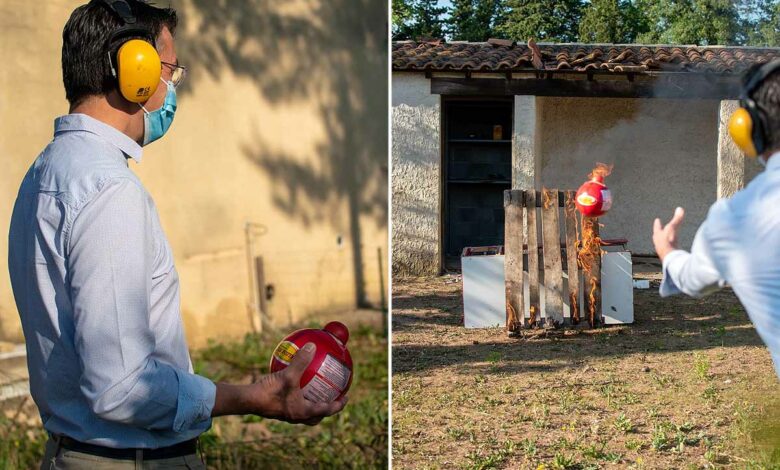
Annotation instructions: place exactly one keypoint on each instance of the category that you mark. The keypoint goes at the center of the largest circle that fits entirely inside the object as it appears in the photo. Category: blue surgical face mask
(157, 123)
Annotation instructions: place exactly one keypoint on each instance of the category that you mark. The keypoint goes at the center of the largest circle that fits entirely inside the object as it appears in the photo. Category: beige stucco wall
(416, 180)
(282, 122)
(664, 152)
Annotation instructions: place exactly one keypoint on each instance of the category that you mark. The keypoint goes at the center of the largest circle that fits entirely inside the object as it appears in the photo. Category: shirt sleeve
(691, 273)
(110, 272)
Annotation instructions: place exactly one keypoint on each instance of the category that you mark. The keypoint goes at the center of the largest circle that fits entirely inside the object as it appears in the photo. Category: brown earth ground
(689, 385)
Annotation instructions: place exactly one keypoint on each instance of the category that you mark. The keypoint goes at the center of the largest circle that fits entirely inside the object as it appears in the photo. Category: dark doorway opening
(477, 170)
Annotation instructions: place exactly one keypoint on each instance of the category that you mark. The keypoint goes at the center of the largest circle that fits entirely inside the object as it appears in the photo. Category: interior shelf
(500, 182)
(479, 141)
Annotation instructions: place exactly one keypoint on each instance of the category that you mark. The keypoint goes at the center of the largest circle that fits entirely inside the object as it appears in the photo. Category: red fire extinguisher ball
(329, 374)
(594, 199)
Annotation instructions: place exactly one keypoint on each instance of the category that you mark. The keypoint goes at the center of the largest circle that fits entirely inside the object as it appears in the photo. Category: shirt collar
(82, 122)
(773, 162)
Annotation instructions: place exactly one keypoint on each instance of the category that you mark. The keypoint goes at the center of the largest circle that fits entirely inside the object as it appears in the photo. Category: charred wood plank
(513, 260)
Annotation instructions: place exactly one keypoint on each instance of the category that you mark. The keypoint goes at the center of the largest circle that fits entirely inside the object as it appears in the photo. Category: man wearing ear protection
(739, 242)
(93, 274)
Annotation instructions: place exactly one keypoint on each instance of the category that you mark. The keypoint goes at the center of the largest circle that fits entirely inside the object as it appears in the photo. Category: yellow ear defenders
(745, 125)
(134, 62)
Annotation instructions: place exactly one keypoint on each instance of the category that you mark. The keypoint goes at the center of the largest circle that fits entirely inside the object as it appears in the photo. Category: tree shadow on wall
(331, 52)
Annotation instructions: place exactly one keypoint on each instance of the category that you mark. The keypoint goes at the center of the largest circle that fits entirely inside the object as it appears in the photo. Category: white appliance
(484, 295)
(484, 291)
(617, 288)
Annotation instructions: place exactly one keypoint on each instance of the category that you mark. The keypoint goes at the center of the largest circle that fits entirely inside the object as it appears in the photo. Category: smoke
(662, 152)
(602, 170)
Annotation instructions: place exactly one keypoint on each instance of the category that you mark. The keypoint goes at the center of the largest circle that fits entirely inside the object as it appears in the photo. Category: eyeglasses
(179, 72)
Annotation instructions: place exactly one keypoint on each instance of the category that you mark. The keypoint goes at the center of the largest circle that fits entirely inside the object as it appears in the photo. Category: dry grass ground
(689, 385)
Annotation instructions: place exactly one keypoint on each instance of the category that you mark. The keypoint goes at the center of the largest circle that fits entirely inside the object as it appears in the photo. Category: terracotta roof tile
(498, 55)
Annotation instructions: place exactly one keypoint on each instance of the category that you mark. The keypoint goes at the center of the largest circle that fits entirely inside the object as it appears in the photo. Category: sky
(445, 3)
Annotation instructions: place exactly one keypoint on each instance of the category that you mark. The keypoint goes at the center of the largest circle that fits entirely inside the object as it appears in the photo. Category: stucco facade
(416, 179)
(665, 153)
(280, 123)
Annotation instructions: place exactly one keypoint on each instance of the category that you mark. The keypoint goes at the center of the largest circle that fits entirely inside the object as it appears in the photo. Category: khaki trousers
(63, 459)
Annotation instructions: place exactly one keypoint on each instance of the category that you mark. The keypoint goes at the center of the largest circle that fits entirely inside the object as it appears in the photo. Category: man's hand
(280, 395)
(665, 237)
(277, 395)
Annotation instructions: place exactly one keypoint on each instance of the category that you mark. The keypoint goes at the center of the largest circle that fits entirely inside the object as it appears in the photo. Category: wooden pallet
(552, 213)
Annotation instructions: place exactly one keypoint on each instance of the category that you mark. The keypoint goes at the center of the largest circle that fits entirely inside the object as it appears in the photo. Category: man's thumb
(679, 215)
(302, 358)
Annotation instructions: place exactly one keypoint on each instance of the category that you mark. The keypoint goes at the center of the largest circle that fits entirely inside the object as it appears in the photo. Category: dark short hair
(767, 98)
(85, 66)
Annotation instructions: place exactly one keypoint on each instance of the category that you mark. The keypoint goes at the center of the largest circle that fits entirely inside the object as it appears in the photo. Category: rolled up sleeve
(691, 273)
(110, 260)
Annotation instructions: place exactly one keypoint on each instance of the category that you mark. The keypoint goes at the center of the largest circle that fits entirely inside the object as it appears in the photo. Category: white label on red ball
(330, 380)
(606, 198)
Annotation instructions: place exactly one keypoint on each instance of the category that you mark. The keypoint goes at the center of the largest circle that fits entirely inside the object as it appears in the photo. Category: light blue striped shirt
(738, 244)
(98, 296)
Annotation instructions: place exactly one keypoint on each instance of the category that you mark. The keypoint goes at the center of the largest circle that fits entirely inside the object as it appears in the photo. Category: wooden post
(571, 258)
(382, 296)
(591, 264)
(513, 259)
(262, 300)
(551, 250)
(533, 257)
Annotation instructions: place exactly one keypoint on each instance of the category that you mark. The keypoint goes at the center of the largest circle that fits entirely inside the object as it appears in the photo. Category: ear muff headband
(136, 64)
(745, 125)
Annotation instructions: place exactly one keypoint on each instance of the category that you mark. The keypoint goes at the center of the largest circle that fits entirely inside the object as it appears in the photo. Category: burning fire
(602, 170)
(590, 247)
(547, 197)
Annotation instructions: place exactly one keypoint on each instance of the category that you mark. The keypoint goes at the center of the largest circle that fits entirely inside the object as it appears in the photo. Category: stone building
(470, 120)
(277, 158)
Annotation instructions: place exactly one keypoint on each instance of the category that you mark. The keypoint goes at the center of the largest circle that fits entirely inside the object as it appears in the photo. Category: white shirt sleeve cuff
(671, 268)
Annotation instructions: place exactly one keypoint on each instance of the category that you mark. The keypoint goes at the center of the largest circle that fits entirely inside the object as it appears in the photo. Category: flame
(547, 198)
(590, 247)
(589, 250)
(571, 212)
(601, 170)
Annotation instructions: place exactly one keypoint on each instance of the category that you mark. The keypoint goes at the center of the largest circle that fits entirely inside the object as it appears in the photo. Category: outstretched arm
(691, 273)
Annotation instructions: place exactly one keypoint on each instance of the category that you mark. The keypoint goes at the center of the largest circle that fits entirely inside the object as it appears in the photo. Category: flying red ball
(594, 199)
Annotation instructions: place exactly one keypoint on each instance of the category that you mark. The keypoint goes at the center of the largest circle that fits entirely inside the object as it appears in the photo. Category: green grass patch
(21, 445)
(355, 438)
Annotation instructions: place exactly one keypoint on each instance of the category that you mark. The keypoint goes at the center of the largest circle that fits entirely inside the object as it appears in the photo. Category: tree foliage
(701, 22)
(612, 21)
(544, 20)
(762, 25)
(418, 19)
(473, 20)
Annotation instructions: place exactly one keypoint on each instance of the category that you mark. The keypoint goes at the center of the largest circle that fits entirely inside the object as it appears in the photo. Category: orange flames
(547, 198)
(602, 170)
(590, 248)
